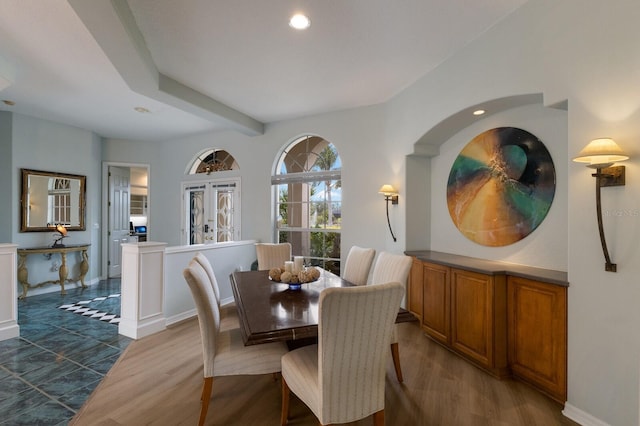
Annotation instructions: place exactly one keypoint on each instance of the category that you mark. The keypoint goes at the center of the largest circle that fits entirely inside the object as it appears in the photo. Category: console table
(63, 272)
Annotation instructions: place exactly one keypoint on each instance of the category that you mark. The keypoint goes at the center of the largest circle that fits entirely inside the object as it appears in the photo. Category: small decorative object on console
(62, 233)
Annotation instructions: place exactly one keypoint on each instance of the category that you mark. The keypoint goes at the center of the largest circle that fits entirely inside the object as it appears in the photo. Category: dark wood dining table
(269, 311)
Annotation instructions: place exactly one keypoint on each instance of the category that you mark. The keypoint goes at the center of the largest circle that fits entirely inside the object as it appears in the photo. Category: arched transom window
(213, 160)
(308, 189)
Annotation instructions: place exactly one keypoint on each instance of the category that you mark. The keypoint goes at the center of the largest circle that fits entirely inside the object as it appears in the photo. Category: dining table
(270, 311)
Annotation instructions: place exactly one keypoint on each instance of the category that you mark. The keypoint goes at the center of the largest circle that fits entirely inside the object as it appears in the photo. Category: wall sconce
(601, 154)
(390, 194)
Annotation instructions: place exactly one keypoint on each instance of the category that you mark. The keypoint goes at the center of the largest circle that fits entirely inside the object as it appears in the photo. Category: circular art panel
(501, 186)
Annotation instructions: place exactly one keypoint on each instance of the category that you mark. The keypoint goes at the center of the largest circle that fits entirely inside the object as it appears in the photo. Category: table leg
(84, 267)
(23, 275)
(63, 272)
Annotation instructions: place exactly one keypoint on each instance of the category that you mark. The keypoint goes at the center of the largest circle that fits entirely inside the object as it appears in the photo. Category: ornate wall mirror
(49, 199)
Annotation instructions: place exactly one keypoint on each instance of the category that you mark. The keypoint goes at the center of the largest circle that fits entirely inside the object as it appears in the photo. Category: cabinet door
(414, 302)
(435, 301)
(478, 319)
(537, 318)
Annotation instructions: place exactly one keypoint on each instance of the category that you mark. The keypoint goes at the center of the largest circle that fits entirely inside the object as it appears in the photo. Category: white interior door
(119, 199)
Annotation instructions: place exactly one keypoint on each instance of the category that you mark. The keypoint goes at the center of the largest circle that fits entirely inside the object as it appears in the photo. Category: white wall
(581, 51)
(356, 134)
(225, 258)
(584, 52)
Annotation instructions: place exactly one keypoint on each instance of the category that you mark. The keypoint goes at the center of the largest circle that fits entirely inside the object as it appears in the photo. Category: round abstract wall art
(501, 186)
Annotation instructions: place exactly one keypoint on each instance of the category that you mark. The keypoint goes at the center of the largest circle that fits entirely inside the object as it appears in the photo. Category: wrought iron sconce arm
(610, 176)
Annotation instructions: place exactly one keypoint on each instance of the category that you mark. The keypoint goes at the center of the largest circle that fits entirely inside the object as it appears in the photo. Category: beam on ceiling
(114, 28)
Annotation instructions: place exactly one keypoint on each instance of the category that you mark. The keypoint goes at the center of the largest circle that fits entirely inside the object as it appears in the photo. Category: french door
(211, 211)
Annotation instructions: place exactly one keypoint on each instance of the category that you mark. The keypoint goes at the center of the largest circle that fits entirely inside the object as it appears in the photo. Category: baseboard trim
(581, 417)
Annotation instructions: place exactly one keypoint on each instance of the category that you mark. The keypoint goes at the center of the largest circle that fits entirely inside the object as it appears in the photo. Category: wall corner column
(142, 289)
(9, 327)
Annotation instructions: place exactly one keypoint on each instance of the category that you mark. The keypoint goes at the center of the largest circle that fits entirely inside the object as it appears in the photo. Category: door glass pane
(196, 217)
(224, 225)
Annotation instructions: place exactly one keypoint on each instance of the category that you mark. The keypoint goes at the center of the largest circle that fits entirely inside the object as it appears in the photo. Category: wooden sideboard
(510, 320)
(63, 271)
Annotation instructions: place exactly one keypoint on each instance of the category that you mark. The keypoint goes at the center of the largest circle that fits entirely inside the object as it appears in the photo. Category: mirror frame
(25, 208)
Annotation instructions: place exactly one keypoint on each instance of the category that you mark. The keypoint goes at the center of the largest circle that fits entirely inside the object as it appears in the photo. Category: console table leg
(23, 274)
(84, 267)
(63, 272)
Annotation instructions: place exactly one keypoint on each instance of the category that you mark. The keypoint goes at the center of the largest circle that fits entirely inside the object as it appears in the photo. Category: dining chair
(342, 377)
(358, 264)
(272, 255)
(392, 267)
(228, 317)
(223, 351)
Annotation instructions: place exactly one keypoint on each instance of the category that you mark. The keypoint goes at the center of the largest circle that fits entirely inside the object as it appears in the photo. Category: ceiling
(208, 65)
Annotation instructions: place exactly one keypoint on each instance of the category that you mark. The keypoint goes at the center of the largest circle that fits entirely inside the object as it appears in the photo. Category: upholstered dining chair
(358, 264)
(272, 255)
(342, 377)
(223, 351)
(228, 317)
(392, 267)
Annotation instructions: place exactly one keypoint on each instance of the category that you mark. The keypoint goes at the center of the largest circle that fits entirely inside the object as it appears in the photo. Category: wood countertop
(491, 267)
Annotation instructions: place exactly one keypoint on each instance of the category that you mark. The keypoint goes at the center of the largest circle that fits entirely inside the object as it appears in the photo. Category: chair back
(354, 332)
(391, 267)
(204, 262)
(272, 255)
(358, 264)
(208, 312)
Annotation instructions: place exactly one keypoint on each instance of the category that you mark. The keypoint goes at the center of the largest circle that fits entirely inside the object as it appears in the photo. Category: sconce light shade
(601, 153)
(387, 190)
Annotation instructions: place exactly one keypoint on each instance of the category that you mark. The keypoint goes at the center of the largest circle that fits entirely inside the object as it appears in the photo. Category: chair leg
(284, 415)
(207, 386)
(395, 354)
(378, 418)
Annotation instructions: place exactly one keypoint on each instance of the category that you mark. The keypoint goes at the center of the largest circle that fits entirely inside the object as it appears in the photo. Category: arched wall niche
(418, 164)
(430, 142)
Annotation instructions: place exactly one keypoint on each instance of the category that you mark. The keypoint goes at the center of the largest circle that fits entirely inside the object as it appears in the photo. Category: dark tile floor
(48, 372)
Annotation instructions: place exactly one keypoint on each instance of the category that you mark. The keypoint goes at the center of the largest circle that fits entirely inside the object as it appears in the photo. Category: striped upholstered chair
(272, 255)
(342, 378)
(392, 267)
(223, 351)
(228, 317)
(358, 264)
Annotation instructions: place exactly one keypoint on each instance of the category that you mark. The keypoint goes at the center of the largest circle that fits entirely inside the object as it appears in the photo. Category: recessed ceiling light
(299, 21)
(141, 110)
(8, 102)
(479, 112)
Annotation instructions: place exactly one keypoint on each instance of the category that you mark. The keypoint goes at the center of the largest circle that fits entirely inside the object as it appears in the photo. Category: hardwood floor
(158, 380)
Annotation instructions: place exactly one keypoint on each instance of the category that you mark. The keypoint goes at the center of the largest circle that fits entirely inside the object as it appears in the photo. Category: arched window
(308, 201)
(211, 204)
(213, 160)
